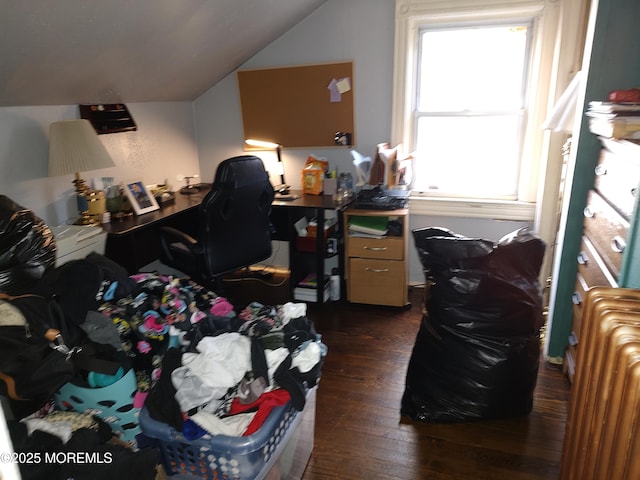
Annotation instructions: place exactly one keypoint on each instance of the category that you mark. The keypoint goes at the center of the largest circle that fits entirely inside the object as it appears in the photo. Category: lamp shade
(74, 147)
(262, 145)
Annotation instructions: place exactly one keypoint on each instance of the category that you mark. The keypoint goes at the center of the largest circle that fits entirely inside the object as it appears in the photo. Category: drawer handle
(601, 170)
(573, 339)
(588, 212)
(583, 259)
(375, 249)
(576, 299)
(618, 244)
(376, 270)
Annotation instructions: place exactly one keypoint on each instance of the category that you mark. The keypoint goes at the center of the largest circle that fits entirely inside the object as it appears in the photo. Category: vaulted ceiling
(66, 52)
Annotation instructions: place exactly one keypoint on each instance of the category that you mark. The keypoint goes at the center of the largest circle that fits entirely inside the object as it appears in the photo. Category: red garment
(265, 403)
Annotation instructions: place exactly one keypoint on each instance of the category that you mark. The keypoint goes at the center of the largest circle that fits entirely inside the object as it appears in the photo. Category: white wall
(162, 147)
(358, 30)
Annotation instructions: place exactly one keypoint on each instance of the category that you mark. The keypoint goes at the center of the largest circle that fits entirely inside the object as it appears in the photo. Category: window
(469, 99)
(470, 109)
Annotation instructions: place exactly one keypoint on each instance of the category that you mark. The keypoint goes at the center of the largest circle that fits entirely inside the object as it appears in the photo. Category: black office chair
(234, 225)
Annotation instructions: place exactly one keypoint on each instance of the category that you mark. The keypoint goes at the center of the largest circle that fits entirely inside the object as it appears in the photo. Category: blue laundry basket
(113, 404)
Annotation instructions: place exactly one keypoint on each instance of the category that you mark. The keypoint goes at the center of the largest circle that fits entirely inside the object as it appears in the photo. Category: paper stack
(615, 120)
(368, 225)
(307, 289)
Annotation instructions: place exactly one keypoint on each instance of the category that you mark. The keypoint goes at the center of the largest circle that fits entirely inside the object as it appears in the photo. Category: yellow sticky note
(344, 85)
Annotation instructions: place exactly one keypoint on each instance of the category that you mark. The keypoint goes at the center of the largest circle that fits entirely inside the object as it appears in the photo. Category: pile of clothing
(61, 445)
(206, 367)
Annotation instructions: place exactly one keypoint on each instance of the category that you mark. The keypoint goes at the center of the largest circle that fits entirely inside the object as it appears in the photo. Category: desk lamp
(281, 190)
(74, 146)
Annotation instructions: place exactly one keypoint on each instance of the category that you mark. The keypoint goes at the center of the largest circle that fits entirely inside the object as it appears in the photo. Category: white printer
(77, 241)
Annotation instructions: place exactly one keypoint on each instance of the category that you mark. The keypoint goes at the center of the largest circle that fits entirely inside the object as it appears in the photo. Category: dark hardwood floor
(360, 434)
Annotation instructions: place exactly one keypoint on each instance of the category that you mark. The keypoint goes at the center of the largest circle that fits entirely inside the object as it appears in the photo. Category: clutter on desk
(390, 167)
(313, 175)
(345, 182)
(117, 206)
(162, 193)
(363, 167)
(330, 184)
(344, 190)
(188, 188)
(378, 198)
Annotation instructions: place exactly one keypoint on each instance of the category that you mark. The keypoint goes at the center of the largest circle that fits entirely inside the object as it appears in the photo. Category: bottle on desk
(334, 285)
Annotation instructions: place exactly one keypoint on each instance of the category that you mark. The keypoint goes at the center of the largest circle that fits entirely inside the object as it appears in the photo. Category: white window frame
(544, 16)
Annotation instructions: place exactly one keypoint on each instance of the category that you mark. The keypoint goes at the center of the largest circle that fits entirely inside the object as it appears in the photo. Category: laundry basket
(113, 404)
(249, 457)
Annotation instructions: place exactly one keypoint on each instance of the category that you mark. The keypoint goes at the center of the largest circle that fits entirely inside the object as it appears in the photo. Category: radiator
(602, 438)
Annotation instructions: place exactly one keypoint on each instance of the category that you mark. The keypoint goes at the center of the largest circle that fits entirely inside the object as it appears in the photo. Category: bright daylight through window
(470, 109)
(472, 82)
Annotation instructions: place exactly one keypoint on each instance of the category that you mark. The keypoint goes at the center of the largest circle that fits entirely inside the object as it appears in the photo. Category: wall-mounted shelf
(108, 118)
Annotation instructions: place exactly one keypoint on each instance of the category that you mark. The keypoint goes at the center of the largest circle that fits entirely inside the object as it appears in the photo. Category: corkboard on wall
(292, 105)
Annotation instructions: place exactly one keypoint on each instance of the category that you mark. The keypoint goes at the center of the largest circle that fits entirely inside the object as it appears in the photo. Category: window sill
(473, 208)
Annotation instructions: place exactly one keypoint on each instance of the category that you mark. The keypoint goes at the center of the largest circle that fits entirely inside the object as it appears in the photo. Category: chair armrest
(173, 235)
(181, 251)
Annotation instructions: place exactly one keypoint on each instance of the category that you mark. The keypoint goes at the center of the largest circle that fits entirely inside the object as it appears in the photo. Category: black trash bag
(477, 351)
(27, 247)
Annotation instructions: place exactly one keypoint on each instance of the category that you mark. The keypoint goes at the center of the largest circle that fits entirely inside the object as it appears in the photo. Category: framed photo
(140, 198)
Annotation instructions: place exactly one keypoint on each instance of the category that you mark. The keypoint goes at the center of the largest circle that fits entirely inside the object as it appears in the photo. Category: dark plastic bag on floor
(477, 351)
(27, 247)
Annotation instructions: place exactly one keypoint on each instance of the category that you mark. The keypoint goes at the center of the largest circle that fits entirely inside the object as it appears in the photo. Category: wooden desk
(286, 213)
(134, 242)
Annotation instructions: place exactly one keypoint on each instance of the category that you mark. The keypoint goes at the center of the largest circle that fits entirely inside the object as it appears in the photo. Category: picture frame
(140, 198)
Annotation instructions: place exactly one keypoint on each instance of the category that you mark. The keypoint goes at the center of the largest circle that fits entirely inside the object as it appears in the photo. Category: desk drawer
(388, 248)
(607, 230)
(378, 282)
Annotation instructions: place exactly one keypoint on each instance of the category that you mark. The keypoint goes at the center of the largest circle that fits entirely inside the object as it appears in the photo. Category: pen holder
(329, 186)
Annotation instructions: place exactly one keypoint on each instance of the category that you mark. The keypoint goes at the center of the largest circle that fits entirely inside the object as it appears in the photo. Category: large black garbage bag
(477, 350)
(27, 247)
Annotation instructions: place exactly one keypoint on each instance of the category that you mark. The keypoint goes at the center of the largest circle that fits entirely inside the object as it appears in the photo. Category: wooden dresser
(377, 268)
(611, 205)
